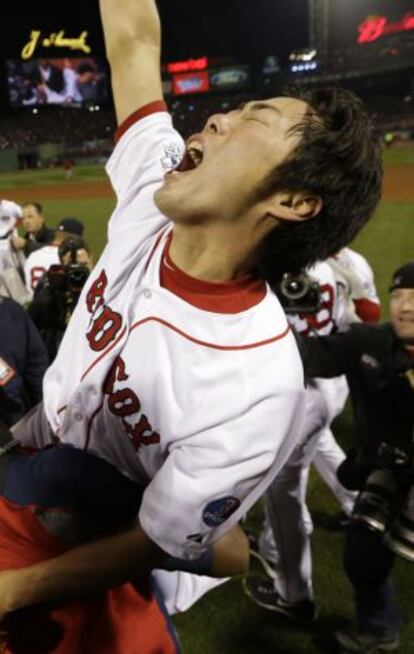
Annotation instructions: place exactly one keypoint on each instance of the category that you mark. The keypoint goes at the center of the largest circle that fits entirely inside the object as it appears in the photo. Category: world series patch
(218, 511)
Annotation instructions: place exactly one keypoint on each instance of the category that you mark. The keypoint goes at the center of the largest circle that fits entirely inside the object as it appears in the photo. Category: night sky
(244, 30)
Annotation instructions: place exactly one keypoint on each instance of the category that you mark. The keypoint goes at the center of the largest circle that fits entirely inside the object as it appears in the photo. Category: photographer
(378, 361)
(58, 290)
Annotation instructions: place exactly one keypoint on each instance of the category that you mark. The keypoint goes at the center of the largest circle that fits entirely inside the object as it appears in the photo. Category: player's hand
(18, 242)
(12, 591)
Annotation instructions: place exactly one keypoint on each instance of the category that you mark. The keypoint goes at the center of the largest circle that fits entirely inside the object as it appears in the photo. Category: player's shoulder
(10, 208)
(354, 258)
(322, 272)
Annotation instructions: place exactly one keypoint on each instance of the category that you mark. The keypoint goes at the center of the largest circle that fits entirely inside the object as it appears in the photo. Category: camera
(385, 505)
(70, 278)
(298, 293)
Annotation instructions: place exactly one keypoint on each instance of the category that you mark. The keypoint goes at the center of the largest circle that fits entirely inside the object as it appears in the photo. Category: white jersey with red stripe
(38, 263)
(329, 315)
(355, 282)
(351, 260)
(198, 405)
(332, 393)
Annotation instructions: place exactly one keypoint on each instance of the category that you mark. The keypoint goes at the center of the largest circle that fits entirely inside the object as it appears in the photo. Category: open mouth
(193, 157)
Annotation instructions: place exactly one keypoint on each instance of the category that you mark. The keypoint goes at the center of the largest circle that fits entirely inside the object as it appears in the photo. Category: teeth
(195, 152)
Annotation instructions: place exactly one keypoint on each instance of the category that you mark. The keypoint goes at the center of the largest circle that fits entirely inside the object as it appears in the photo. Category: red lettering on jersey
(104, 329)
(95, 296)
(116, 373)
(324, 316)
(35, 274)
(124, 402)
(141, 433)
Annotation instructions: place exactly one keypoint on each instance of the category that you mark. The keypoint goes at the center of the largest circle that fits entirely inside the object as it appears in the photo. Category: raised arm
(133, 46)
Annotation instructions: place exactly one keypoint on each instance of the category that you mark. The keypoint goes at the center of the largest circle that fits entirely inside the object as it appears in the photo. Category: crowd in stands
(82, 129)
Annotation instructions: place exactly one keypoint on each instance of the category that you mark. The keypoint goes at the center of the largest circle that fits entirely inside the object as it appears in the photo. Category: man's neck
(211, 253)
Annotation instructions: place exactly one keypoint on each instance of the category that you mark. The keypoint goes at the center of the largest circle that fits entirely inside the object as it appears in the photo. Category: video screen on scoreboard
(354, 22)
(73, 81)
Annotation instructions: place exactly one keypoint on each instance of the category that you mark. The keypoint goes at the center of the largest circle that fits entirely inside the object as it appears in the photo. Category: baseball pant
(285, 539)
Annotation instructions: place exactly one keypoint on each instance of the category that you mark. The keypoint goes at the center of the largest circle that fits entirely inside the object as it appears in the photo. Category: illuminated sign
(191, 83)
(186, 66)
(374, 27)
(56, 40)
(230, 78)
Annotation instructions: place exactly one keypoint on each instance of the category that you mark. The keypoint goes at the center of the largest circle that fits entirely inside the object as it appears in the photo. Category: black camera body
(68, 279)
(385, 504)
(298, 293)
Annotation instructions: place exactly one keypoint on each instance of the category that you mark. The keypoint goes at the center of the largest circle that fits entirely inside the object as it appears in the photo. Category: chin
(169, 205)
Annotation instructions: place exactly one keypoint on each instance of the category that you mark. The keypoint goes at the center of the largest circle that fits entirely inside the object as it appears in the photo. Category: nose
(218, 124)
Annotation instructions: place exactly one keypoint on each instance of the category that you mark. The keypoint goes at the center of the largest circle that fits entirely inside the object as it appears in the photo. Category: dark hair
(72, 244)
(339, 159)
(36, 205)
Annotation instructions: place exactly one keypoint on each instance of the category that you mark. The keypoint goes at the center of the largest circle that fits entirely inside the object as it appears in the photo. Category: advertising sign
(188, 83)
(230, 78)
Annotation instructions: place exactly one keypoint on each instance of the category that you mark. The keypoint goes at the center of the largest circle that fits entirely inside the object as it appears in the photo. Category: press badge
(6, 372)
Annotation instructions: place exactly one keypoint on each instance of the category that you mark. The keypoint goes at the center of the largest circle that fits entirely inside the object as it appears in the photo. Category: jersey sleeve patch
(218, 511)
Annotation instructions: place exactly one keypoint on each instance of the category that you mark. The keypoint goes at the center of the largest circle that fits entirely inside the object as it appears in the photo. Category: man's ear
(294, 206)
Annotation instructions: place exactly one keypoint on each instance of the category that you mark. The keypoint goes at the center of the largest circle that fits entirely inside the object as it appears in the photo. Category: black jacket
(44, 236)
(376, 364)
(24, 355)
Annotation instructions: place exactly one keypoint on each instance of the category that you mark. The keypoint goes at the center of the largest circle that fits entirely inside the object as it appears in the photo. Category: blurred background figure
(11, 260)
(39, 261)
(37, 233)
(23, 362)
(58, 290)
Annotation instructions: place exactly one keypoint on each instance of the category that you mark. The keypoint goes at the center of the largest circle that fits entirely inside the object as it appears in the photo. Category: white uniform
(38, 263)
(355, 279)
(181, 399)
(285, 537)
(10, 213)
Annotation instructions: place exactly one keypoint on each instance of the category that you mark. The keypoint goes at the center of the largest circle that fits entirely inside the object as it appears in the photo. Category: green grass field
(225, 622)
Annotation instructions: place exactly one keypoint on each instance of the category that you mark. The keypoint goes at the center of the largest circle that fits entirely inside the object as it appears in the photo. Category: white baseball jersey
(196, 398)
(10, 213)
(38, 263)
(285, 537)
(327, 397)
(355, 262)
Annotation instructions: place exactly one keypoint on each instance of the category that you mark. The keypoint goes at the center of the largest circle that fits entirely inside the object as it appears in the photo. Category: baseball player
(178, 361)
(284, 545)
(39, 261)
(11, 260)
(284, 542)
(10, 213)
(358, 301)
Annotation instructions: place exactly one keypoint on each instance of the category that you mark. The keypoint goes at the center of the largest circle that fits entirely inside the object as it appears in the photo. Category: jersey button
(147, 294)
(78, 416)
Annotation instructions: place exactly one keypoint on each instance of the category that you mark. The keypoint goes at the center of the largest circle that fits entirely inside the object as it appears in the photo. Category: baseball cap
(403, 277)
(71, 226)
